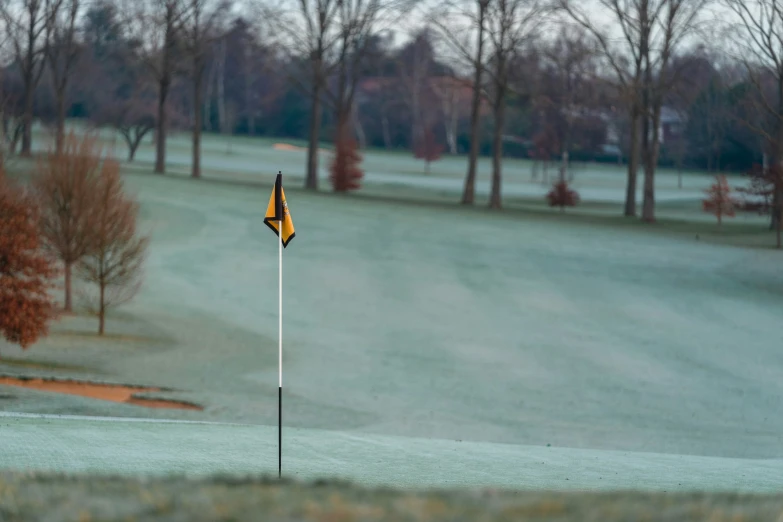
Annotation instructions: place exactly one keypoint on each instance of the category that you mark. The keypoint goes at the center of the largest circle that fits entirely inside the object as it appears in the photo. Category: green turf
(407, 315)
(106, 446)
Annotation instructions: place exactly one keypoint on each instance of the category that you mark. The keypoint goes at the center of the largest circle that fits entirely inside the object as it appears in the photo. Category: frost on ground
(420, 321)
(70, 498)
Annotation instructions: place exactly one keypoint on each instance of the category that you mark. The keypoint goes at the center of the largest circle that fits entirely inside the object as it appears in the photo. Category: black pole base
(280, 432)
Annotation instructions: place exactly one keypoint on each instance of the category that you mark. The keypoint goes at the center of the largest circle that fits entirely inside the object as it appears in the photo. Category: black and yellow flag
(278, 217)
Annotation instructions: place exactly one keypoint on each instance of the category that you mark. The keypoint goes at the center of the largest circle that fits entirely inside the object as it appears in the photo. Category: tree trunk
(27, 128)
(450, 120)
(221, 88)
(160, 134)
(357, 127)
(386, 132)
(497, 147)
(311, 181)
(197, 95)
(68, 295)
(208, 98)
(451, 132)
(633, 165)
(651, 162)
(777, 210)
(102, 310)
(60, 136)
(469, 191)
(251, 124)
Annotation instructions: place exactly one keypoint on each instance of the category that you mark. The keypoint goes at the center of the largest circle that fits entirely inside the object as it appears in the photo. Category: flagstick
(280, 330)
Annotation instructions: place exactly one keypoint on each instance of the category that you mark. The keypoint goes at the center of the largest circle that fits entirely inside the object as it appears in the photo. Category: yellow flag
(277, 214)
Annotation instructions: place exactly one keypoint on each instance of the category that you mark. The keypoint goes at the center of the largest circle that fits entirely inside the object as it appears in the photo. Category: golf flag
(278, 217)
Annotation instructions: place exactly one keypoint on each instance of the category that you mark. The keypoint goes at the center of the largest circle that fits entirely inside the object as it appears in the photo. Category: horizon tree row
(543, 79)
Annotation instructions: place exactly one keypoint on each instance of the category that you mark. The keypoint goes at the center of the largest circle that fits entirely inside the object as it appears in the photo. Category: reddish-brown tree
(428, 149)
(719, 200)
(26, 272)
(114, 261)
(765, 194)
(345, 171)
(64, 189)
(562, 195)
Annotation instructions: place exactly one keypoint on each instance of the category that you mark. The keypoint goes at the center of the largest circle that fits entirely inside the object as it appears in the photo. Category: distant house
(443, 101)
(671, 128)
(672, 125)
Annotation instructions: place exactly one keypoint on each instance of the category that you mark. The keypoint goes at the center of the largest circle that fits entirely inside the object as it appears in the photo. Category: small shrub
(562, 195)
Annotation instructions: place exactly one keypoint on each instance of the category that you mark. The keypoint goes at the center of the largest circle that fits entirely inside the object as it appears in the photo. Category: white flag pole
(280, 352)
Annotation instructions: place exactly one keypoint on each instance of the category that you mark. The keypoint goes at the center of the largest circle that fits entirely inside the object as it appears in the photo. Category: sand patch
(104, 392)
(293, 148)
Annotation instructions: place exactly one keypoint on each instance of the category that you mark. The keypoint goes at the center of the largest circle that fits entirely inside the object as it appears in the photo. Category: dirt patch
(105, 392)
(293, 148)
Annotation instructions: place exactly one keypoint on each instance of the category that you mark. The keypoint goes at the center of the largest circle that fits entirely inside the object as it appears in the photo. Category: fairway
(97, 447)
(431, 321)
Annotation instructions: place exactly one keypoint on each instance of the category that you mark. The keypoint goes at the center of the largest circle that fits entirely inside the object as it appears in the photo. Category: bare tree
(26, 26)
(675, 21)
(156, 27)
(63, 187)
(114, 262)
(200, 31)
(357, 21)
(449, 92)
(758, 45)
(332, 38)
(648, 34)
(571, 65)
(455, 22)
(62, 51)
(133, 119)
(512, 26)
(311, 32)
(414, 64)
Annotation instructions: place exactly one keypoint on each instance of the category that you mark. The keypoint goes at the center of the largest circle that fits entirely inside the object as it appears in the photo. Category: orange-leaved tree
(114, 261)
(27, 273)
(345, 171)
(64, 186)
(719, 200)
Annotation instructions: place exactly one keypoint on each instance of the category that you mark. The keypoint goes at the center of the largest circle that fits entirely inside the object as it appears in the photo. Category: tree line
(72, 218)
(551, 80)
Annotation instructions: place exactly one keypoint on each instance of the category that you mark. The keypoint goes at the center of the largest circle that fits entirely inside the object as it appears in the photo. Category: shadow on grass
(94, 336)
(42, 365)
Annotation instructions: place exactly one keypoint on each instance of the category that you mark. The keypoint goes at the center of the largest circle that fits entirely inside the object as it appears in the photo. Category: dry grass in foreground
(61, 498)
